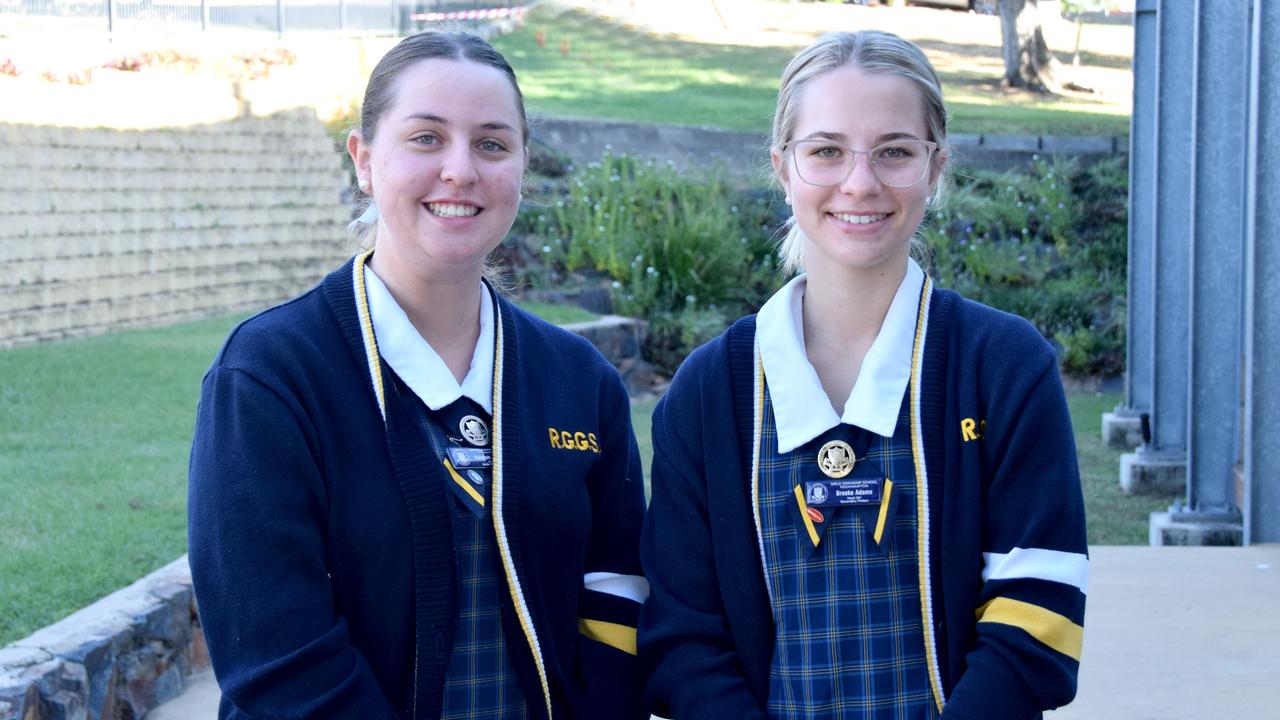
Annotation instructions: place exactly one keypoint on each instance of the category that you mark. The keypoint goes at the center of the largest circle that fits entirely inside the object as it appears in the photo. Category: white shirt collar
(417, 363)
(801, 408)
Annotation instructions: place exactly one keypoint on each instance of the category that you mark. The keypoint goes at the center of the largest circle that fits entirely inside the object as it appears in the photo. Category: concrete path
(198, 702)
(1170, 634)
(1174, 633)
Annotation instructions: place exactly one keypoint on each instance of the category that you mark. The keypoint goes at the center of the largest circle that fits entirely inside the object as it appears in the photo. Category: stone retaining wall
(109, 229)
(114, 660)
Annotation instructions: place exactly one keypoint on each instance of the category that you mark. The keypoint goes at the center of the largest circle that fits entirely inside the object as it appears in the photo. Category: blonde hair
(875, 52)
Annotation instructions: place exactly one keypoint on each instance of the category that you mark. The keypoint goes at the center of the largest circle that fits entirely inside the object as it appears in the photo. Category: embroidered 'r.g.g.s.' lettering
(971, 430)
(567, 440)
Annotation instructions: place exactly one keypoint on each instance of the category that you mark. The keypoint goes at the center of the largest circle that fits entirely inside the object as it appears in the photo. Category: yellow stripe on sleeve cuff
(612, 634)
(1050, 628)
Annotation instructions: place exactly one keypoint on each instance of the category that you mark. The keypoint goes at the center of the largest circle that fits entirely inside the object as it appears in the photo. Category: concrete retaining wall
(108, 229)
(744, 153)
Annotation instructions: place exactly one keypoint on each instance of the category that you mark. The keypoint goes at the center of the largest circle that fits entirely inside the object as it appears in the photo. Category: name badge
(464, 458)
(837, 493)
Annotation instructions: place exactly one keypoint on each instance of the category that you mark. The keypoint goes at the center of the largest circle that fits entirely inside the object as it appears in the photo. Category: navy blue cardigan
(1003, 553)
(320, 540)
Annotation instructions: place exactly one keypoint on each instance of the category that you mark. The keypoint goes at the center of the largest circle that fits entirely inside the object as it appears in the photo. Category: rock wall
(109, 229)
(114, 660)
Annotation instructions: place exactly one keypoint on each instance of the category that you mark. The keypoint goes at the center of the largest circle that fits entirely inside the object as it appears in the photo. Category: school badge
(817, 494)
(474, 430)
(836, 459)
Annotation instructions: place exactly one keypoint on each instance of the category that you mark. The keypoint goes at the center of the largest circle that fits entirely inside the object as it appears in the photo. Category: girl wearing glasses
(865, 498)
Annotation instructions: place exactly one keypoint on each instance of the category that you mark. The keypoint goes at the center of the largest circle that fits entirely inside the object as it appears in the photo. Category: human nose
(862, 176)
(459, 166)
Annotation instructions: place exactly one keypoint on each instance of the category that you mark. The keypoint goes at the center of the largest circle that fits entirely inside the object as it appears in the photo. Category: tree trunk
(1028, 63)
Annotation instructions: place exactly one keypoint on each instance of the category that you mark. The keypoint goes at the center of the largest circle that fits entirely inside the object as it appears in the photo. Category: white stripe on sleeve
(1064, 567)
(631, 587)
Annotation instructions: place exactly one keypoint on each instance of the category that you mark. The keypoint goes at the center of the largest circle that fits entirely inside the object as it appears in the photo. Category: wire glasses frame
(897, 164)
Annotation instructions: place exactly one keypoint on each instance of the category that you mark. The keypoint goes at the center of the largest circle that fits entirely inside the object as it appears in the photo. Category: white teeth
(858, 219)
(452, 210)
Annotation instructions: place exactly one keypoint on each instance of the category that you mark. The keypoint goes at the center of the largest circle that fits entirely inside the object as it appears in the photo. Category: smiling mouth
(859, 219)
(452, 210)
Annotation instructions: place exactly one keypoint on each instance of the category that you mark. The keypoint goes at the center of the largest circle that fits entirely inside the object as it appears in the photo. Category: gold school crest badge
(836, 459)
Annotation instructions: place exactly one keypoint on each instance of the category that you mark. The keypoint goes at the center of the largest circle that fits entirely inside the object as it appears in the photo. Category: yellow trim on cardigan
(499, 525)
(758, 422)
(1056, 631)
(922, 499)
(614, 635)
(366, 329)
(804, 513)
(884, 510)
(462, 483)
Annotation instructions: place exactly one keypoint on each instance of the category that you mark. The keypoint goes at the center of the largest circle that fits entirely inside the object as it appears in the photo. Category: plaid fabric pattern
(849, 632)
(480, 683)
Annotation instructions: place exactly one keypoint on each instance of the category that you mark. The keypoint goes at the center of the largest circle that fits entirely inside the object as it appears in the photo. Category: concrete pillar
(1204, 311)
(1262, 284)
(1160, 234)
(1218, 150)
(1119, 428)
(1170, 300)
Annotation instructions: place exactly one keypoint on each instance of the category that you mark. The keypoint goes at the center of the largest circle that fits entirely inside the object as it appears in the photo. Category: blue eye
(492, 146)
(427, 140)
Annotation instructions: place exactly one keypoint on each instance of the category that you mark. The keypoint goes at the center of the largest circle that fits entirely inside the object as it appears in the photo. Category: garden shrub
(690, 253)
(1049, 245)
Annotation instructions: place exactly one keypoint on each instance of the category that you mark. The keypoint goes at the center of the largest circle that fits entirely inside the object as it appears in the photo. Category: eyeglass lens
(901, 163)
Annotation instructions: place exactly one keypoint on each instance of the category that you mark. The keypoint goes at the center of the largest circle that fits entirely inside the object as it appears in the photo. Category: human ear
(776, 158)
(940, 160)
(359, 152)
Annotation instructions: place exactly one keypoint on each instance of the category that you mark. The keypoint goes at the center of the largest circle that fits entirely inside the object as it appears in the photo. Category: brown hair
(430, 46)
(379, 94)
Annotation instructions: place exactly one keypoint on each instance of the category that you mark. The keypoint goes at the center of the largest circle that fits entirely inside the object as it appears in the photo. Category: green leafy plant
(1049, 245)
(690, 252)
(686, 253)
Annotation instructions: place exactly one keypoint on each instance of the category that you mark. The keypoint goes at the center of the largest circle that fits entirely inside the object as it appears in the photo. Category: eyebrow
(840, 137)
(491, 125)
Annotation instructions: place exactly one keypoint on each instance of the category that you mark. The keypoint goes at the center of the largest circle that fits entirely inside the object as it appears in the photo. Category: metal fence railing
(280, 16)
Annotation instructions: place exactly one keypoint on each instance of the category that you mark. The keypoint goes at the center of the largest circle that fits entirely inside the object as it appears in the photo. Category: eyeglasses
(899, 164)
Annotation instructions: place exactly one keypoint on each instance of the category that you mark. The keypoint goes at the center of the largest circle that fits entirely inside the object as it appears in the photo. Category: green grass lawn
(93, 451)
(559, 314)
(594, 68)
(93, 465)
(1113, 517)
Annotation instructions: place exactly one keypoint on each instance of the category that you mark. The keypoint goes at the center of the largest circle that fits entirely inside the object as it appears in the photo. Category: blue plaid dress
(480, 683)
(846, 608)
